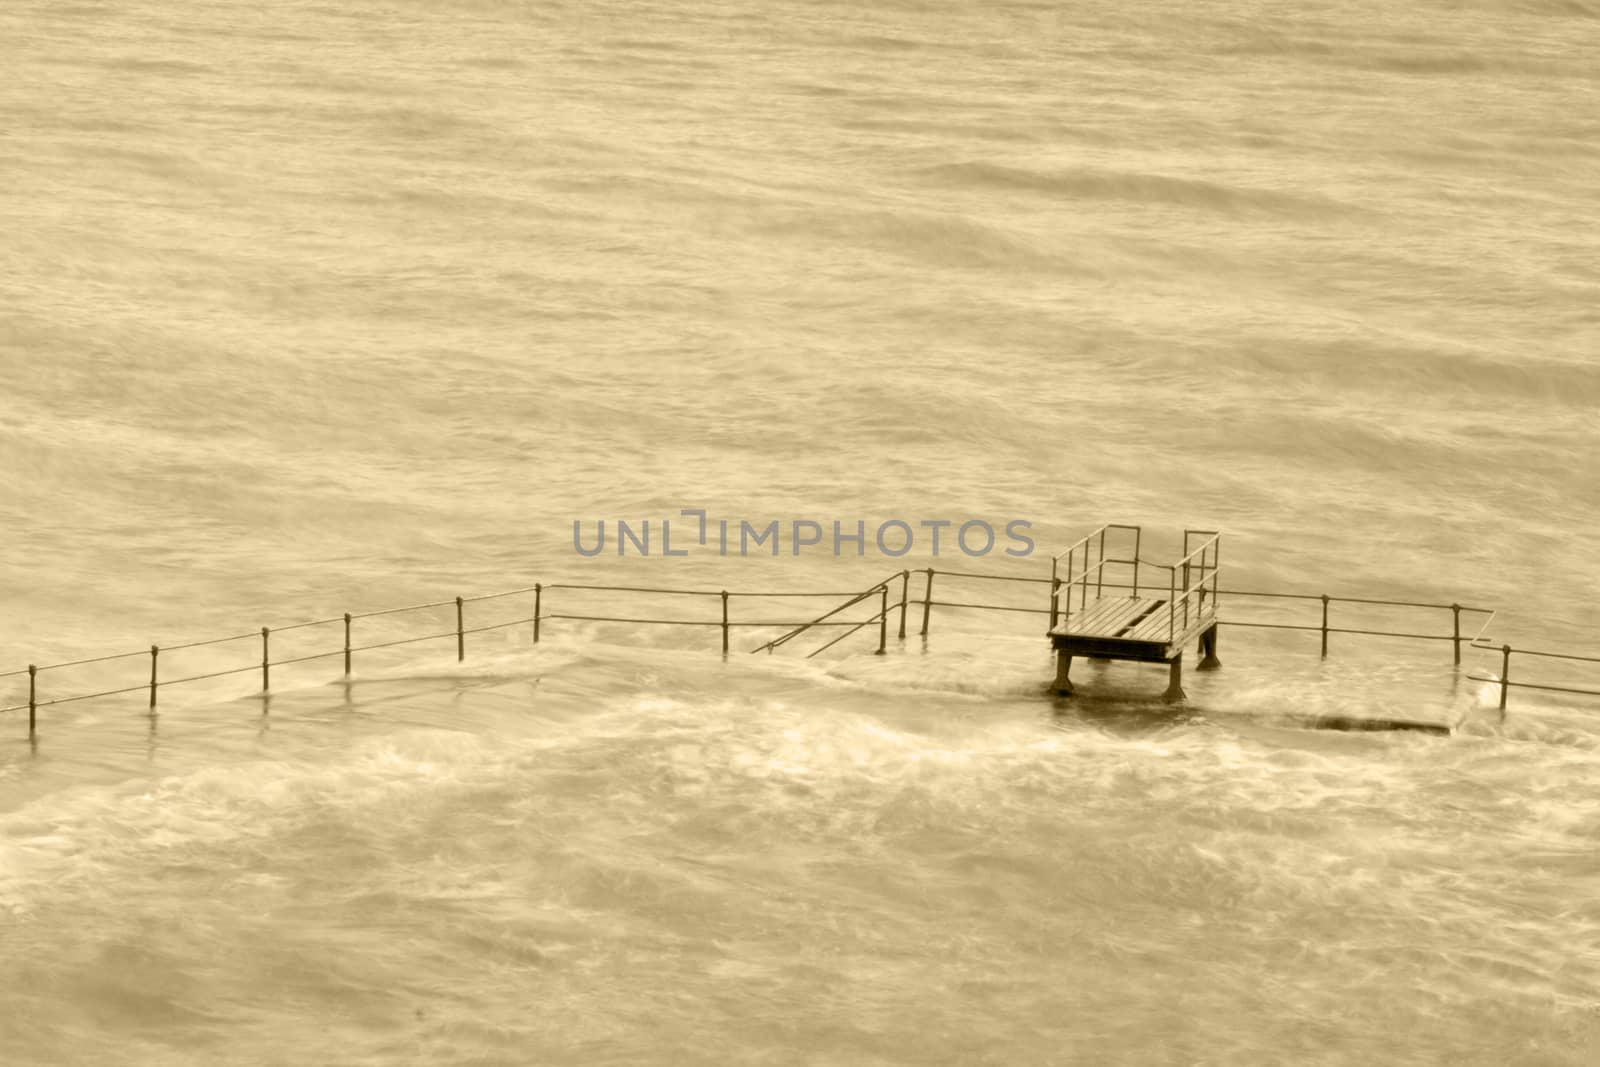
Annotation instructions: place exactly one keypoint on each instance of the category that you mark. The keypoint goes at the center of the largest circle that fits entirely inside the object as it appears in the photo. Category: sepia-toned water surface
(311, 307)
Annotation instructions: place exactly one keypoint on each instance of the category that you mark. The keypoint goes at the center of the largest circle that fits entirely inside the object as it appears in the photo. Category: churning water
(315, 307)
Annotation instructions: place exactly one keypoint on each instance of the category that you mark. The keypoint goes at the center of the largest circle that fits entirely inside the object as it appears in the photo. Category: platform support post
(347, 617)
(1455, 639)
(154, 652)
(266, 659)
(1324, 625)
(724, 622)
(1063, 684)
(538, 597)
(1208, 651)
(1175, 679)
(33, 701)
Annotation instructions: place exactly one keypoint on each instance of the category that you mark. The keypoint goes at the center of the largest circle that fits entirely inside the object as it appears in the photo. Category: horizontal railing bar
(213, 641)
(1525, 685)
(300, 659)
(408, 607)
(1541, 655)
(616, 618)
(403, 641)
(497, 596)
(795, 622)
(992, 577)
(313, 622)
(214, 674)
(86, 696)
(501, 625)
(985, 607)
(95, 659)
(634, 589)
(1271, 625)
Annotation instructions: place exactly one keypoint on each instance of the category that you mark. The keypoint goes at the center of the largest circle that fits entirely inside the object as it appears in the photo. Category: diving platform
(1150, 616)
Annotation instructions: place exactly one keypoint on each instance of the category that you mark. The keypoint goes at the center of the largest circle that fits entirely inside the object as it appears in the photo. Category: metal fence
(880, 597)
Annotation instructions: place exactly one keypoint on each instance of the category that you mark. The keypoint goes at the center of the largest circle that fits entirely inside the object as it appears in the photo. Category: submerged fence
(886, 598)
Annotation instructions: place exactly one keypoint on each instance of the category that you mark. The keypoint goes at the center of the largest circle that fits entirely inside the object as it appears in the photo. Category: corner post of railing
(927, 601)
(538, 597)
(1100, 564)
(154, 652)
(461, 630)
(33, 700)
(724, 622)
(1324, 624)
(266, 659)
(905, 583)
(347, 644)
(883, 618)
(1455, 638)
(1055, 593)
(1505, 676)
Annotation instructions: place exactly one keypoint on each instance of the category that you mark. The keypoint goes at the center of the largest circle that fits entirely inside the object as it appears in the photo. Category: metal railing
(1504, 680)
(1079, 570)
(881, 617)
(1205, 587)
(539, 592)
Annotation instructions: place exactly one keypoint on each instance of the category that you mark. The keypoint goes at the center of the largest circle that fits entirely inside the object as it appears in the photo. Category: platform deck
(1130, 627)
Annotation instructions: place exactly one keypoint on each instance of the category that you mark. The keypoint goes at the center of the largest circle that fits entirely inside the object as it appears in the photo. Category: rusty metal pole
(724, 622)
(461, 632)
(1455, 640)
(1505, 673)
(266, 660)
(905, 582)
(1324, 625)
(883, 618)
(927, 602)
(33, 701)
(538, 596)
(347, 644)
(154, 652)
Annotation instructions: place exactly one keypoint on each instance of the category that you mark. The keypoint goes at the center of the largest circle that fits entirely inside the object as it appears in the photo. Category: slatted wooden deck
(1131, 627)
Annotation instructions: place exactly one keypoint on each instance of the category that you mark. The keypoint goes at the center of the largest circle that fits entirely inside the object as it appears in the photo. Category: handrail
(852, 602)
(1194, 591)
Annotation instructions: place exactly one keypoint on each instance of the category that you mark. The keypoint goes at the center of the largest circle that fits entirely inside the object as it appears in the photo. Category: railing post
(538, 597)
(1055, 592)
(1138, 535)
(347, 644)
(1505, 673)
(1172, 603)
(883, 618)
(154, 652)
(905, 581)
(461, 631)
(1455, 640)
(266, 660)
(927, 602)
(1324, 625)
(724, 622)
(33, 701)
(1100, 565)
